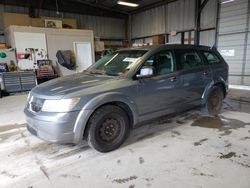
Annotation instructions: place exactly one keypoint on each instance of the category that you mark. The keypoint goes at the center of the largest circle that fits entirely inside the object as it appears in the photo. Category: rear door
(195, 75)
(217, 65)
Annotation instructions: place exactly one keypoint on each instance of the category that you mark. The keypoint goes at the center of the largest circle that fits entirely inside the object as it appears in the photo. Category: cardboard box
(3, 46)
(70, 22)
(99, 46)
(37, 22)
(15, 19)
(158, 39)
(65, 21)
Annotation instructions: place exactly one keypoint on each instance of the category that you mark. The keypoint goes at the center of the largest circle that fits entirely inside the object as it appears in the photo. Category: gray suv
(123, 89)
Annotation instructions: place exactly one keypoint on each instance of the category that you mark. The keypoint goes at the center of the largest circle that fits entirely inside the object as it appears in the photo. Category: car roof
(169, 46)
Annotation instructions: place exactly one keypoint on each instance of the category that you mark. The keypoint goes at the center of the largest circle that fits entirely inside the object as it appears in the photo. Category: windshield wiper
(93, 72)
(111, 74)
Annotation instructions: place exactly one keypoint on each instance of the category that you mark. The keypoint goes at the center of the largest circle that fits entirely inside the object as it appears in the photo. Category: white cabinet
(47, 41)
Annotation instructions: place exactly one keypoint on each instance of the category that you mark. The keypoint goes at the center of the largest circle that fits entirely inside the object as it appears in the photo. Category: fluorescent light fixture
(227, 1)
(127, 4)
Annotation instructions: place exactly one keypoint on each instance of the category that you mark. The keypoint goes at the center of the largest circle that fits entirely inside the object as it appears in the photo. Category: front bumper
(52, 127)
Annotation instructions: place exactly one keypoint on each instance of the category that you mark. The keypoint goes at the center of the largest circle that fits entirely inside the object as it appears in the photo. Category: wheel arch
(114, 98)
(119, 104)
(222, 86)
(208, 88)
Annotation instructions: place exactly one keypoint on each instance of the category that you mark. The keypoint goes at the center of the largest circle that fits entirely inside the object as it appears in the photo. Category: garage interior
(179, 150)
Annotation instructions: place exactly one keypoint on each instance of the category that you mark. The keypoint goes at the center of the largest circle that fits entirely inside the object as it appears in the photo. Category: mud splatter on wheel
(214, 101)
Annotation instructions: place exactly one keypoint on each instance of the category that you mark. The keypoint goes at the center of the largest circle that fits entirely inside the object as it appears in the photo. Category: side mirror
(145, 72)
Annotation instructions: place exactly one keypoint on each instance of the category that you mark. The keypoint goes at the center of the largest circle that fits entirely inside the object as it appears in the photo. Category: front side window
(188, 59)
(162, 63)
(116, 63)
(211, 58)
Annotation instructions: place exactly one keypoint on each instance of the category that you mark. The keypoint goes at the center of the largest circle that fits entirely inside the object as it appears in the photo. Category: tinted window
(211, 58)
(188, 59)
(162, 63)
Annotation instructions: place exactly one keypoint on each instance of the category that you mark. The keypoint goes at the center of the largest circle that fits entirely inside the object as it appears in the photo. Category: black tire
(107, 128)
(214, 102)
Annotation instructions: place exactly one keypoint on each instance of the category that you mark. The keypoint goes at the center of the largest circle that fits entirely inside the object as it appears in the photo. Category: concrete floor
(186, 150)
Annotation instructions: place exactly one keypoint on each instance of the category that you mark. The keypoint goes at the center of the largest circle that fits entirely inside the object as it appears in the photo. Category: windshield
(116, 63)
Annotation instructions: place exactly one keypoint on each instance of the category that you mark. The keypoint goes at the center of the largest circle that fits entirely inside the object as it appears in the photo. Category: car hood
(60, 87)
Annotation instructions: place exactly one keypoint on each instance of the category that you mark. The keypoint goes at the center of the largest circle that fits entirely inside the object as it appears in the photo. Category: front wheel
(108, 128)
(214, 101)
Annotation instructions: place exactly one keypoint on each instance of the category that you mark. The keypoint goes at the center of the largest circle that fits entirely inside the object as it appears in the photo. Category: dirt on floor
(184, 150)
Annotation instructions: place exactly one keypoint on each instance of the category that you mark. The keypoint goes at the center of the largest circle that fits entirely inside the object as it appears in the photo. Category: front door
(158, 94)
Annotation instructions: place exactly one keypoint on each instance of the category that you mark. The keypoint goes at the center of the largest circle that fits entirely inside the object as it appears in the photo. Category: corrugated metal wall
(180, 15)
(209, 15)
(104, 27)
(148, 23)
(207, 38)
(1, 25)
(233, 39)
(175, 16)
(15, 9)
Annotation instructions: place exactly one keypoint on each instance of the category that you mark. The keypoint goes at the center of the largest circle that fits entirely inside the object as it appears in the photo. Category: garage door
(234, 39)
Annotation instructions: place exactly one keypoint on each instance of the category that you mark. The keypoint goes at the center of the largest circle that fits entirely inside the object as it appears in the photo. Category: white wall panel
(233, 16)
(232, 36)
(236, 43)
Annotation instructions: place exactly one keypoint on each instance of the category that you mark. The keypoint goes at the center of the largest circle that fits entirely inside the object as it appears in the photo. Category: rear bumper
(53, 127)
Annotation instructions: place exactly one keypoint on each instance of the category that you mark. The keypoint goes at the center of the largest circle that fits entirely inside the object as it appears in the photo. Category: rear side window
(188, 59)
(211, 58)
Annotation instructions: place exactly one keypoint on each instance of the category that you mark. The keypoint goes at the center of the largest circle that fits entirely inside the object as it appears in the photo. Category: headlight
(28, 97)
(62, 105)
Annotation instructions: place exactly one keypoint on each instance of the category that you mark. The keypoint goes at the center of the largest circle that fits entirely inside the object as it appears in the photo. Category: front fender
(95, 103)
(105, 98)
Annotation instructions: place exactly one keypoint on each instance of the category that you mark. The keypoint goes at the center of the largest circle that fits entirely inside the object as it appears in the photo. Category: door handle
(173, 79)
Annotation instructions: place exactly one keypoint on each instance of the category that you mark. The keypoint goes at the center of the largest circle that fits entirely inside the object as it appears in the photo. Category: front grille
(35, 104)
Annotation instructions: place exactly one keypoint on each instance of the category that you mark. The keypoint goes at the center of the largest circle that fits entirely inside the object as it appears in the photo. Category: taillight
(226, 67)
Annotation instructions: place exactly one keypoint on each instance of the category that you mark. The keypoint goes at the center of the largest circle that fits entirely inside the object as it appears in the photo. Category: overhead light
(57, 10)
(127, 4)
(227, 1)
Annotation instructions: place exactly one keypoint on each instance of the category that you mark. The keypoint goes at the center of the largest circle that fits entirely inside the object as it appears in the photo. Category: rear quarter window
(211, 57)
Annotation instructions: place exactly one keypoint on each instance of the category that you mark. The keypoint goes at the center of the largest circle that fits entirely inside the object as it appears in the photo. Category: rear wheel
(108, 128)
(214, 101)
